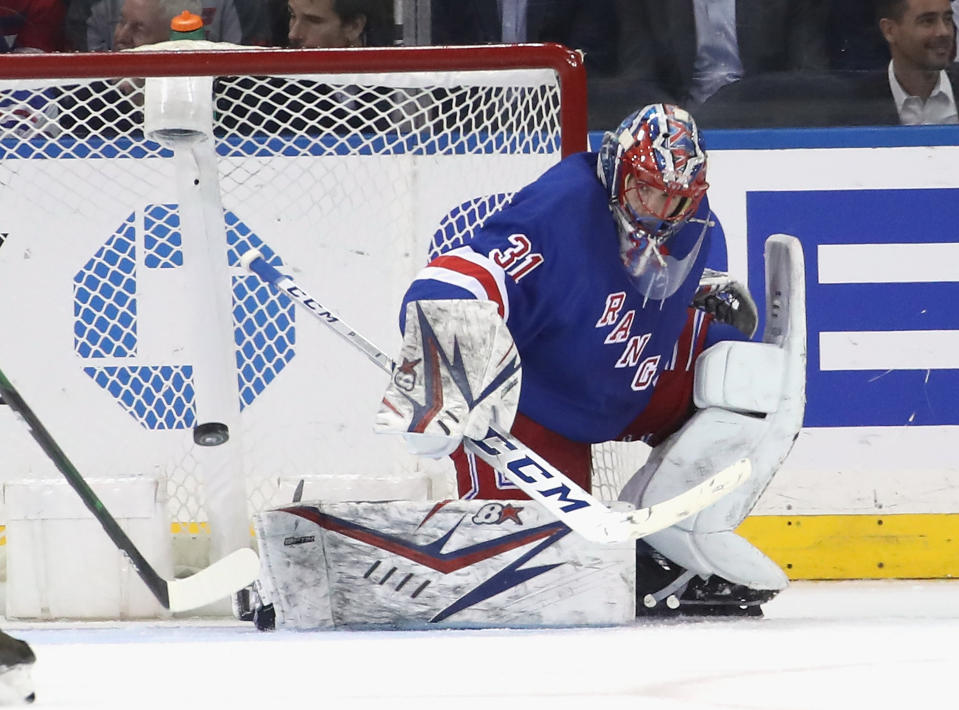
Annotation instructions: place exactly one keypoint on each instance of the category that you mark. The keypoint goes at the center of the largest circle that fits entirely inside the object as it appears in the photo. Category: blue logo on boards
(106, 320)
(863, 309)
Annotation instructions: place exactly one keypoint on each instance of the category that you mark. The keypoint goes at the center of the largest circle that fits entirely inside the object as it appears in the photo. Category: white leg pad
(725, 553)
(715, 437)
(456, 564)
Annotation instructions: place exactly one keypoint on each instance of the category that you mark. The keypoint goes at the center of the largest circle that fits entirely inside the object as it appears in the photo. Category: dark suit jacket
(588, 25)
(773, 36)
(870, 101)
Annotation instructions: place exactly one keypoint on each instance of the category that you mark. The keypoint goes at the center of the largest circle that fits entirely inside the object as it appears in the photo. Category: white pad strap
(729, 429)
(458, 370)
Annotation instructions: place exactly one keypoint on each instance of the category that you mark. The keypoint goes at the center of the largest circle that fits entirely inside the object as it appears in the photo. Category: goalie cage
(354, 165)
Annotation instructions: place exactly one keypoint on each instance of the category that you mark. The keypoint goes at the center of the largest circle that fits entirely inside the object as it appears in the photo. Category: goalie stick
(215, 582)
(535, 476)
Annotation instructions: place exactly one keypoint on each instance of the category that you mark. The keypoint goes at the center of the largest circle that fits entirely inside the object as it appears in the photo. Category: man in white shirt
(921, 38)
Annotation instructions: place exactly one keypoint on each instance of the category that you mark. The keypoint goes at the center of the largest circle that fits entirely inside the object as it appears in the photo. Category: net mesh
(352, 180)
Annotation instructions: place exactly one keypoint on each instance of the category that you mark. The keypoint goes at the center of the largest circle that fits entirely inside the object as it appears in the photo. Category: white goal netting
(347, 169)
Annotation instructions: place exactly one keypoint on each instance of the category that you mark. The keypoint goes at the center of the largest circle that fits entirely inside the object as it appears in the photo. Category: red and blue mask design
(654, 169)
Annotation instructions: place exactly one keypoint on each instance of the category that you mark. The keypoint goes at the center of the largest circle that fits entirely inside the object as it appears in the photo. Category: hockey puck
(210, 434)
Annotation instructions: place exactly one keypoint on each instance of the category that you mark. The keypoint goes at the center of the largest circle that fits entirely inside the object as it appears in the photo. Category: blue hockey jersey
(592, 346)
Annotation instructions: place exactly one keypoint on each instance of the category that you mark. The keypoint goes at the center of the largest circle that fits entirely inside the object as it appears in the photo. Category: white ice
(825, 645)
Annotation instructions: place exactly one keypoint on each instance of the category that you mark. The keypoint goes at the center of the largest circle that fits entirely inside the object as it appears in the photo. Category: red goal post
(348, 167)
(225, 59)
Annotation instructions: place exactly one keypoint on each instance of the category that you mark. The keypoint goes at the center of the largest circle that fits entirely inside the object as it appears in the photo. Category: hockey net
(349, 168)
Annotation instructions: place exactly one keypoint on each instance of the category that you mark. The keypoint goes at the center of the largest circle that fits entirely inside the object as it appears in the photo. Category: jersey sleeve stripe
(473, 272)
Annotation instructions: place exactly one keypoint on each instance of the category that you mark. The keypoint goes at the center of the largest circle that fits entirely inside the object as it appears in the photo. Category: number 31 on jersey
(519, 259)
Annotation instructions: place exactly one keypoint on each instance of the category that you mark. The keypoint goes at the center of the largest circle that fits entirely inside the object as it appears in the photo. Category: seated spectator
(91, 23)
(32, 25)
(316, 24)
(114, 107)
(148, 21)
(276, 106)
(586, 25)
(919, 86)
(683, 51)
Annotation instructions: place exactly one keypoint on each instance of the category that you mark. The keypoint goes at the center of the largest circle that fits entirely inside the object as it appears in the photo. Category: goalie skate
(16, 663)
(665, 589)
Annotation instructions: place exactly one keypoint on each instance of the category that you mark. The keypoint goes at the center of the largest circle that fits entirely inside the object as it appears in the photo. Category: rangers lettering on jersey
(646, 372)
(614, 303)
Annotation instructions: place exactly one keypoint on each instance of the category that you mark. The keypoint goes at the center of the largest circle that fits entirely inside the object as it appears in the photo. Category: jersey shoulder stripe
(473, 272)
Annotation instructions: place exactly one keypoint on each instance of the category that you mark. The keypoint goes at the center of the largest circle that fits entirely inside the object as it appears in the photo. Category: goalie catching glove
(458, 370)
(728, 301)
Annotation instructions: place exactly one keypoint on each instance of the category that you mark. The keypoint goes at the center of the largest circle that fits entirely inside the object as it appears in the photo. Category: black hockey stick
(217, 581)
(531, 473)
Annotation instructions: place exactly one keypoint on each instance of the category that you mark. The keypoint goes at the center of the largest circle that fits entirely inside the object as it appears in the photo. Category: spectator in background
(340, 23)
(919, 85)
(91, 23)
(114, 107)
(148, 21)
(587, 25)
(32, 25)
(683, 51)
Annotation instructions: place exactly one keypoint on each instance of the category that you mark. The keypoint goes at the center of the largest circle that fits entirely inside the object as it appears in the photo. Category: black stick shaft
(156, 584)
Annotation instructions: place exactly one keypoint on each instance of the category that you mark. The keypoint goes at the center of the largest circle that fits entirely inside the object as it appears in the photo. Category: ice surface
(849, 645)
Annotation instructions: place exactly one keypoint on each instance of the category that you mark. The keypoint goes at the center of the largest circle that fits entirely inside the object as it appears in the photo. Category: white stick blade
(216, 582)
(646, 521)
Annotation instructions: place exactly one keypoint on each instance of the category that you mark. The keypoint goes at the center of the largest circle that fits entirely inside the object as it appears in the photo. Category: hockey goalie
(584, 311)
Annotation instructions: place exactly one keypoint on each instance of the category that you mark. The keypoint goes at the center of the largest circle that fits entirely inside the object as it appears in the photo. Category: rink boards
(870, 489)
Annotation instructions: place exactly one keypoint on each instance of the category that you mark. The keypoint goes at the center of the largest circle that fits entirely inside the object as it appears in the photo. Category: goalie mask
(654, 169)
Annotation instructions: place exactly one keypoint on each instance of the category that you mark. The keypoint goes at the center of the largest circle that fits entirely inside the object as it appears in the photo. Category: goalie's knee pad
(752, 397)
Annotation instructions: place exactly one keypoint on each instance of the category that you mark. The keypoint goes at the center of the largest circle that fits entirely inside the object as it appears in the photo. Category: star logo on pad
(510, 512)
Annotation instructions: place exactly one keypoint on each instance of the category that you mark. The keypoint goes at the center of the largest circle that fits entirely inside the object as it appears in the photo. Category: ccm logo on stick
(529, 470)
(307, 301)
